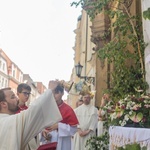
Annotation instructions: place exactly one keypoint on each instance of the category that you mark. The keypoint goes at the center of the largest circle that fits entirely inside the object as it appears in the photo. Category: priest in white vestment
(16, 130)
(88, 118)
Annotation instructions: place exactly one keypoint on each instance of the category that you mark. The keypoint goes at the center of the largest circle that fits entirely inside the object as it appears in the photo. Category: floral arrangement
(98, 142)
(133, 111)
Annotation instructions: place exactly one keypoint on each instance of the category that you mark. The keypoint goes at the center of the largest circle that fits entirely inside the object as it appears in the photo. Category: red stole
(21, 108)
(68, 114)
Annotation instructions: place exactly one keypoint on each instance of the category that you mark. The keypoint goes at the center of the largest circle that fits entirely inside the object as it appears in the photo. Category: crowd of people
(48, 123)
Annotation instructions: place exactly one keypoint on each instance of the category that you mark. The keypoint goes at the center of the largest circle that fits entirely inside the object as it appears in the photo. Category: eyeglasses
(26, 93)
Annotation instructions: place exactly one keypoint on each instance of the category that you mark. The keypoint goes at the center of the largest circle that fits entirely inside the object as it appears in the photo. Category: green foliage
(146, 14)
(132, 147)
(129, 147)
(98, 143)
(93, 7)
(126, 50)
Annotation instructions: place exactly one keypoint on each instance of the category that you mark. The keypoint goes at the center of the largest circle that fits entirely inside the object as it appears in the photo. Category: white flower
(109, 107)
(124, 146)
(113, 116)
(126, 98)
(145, 96)
(145, 101)
(126, 117)
(122, 124)
(120, 121)
(130, 112)
(147, 106)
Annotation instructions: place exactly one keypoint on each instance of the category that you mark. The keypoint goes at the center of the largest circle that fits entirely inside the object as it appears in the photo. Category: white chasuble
(17, 130)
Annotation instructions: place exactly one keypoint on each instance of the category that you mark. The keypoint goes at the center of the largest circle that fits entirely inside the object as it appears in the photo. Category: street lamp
(78, 69)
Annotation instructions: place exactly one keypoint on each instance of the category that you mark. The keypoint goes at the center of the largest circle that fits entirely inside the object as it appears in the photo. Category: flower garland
(132, 110)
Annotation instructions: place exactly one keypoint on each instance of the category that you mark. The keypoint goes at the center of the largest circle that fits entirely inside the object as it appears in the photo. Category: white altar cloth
(121, 136)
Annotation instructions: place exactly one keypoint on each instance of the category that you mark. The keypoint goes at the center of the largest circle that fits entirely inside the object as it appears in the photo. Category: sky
(38, 36)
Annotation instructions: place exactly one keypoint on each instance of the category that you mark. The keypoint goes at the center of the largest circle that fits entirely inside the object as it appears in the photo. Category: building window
(14, 73)
(21, 77)
(3, 66)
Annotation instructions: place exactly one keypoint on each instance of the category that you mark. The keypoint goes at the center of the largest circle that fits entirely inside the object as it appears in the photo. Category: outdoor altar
(129, 122)
(122, 136)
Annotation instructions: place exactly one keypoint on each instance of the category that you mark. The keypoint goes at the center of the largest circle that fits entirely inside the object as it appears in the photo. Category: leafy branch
(125, 50)
(146, 14)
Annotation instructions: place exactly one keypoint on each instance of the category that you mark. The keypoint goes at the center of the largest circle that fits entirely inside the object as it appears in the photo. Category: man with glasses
(16, 130)
(23, 93)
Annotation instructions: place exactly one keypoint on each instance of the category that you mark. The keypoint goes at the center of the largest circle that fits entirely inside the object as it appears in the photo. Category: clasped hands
(83, 133)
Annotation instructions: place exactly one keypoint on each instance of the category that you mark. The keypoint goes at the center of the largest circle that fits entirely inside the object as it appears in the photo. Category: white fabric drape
(121, 136)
